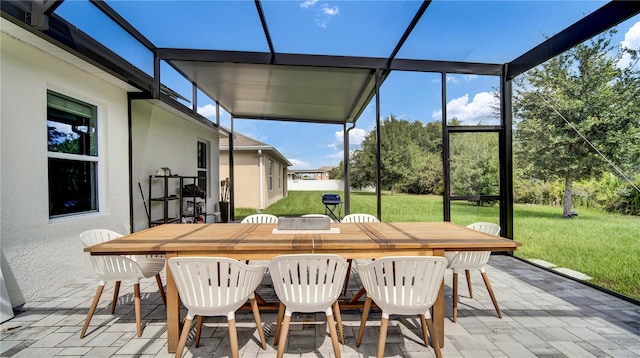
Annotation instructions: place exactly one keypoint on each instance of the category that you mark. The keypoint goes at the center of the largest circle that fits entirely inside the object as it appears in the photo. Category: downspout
(345, 170)
(261, 179)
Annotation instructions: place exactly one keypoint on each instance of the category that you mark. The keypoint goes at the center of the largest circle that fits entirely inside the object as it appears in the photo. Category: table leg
(173, 310)
(438, 308)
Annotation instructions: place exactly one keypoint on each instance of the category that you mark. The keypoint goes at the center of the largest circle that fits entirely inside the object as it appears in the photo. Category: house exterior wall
(279, 189)
(247, 178)
(161, 138)
(39, 253)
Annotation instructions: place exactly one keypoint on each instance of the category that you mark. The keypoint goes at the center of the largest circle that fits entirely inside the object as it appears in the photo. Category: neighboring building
(260, 172)
(321, 173)
(77, 145)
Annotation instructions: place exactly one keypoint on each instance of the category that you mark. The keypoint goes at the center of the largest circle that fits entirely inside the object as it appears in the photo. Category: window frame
(202, 147)
(92, 157)
(270, 174)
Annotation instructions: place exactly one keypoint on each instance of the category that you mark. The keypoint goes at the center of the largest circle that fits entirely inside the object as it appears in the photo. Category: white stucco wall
(163, 138)
(38, 253)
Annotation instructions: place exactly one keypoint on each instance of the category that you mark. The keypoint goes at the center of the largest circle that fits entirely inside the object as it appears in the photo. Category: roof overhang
(288, 87)
(258, 91)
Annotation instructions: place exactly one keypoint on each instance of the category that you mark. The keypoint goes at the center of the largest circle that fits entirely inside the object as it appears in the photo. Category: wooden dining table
(264, 241)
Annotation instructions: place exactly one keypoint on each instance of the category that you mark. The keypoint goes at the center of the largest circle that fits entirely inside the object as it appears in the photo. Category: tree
(400, 154)
(583, 86)
(337, 172)
(474, 164)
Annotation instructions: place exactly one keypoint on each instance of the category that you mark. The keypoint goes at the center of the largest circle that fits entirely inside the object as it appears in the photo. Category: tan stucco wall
(247, 178)
(247, 186)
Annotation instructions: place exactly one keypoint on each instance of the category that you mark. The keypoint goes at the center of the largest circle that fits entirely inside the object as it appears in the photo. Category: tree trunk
(568, 181)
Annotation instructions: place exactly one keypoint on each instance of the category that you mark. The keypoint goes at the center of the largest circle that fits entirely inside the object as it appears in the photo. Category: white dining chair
(359, 218)
(308, 283)
(260, 219)
(120, 268)
(472, 260)
(215, 286)
(402, 285)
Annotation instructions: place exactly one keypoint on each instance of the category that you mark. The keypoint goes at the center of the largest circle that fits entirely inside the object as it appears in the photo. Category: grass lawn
(602, 245)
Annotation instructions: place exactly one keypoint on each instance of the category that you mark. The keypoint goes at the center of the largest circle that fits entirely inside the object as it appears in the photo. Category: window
(72, 135)
(270, 173)
(279, 176)
(203, 171)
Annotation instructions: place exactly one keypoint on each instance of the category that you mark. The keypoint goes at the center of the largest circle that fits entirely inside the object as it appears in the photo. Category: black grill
(331, 199)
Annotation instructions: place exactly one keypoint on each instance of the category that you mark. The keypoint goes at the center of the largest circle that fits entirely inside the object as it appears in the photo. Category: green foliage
(474, 164)
(603, 246)
(410, 153)
(337, 172)
(596, 97)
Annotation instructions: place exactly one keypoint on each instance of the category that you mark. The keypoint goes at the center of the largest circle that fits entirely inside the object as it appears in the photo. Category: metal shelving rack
(166, 199)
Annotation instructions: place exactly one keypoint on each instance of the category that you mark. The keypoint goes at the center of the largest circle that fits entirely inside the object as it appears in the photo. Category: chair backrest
(110, 267)
(469, 260)
(260, 219)
(489, 228)
(360, 218)
(403, 284)
(214, 285)
(97, 236)
(308, 282)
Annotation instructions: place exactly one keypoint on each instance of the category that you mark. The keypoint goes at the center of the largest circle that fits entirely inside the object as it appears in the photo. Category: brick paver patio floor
(544, 315)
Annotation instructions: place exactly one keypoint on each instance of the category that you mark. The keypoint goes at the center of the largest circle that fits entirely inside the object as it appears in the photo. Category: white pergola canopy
(264, 91)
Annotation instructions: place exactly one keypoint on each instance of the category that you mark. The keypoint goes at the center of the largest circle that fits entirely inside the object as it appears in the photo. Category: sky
(349, 28)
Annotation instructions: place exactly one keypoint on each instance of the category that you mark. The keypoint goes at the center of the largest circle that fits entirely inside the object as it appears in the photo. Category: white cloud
(300, 164)
(631, 41)
(481, 108)
(330, 10)
(208, 110)
(356, 136)
(337, 155)
(308, 3)
(323, 15)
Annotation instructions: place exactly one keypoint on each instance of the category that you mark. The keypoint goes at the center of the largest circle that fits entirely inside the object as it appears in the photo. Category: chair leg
(493, 297)
(384, 324)
(346, 280)
(363, 321)
(116, 291)
(336, 312)
(161, 289)
(278, 324)
(332, 331)
(92, 310)
(434, 338)
(283, 334)
(256, 317)
(233, 338)
(468, 273)
(183, 337)
(198, 331)
(136, 300)
(455, 297)
(425, 336)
